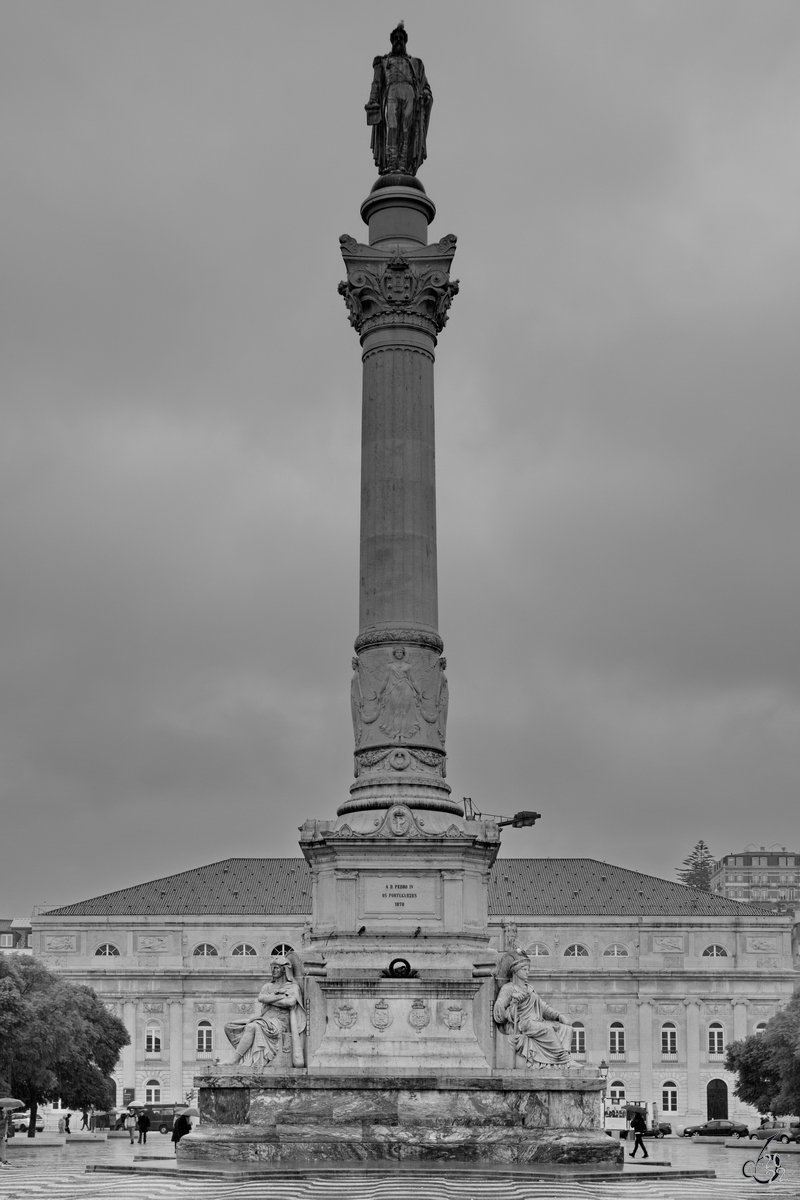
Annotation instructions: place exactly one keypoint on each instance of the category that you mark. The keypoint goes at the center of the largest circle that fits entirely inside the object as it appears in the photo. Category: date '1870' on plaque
(400, 894)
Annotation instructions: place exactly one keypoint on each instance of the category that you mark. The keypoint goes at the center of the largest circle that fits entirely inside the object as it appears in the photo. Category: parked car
(21, 1121)
(782, 1131)
(728, 1129)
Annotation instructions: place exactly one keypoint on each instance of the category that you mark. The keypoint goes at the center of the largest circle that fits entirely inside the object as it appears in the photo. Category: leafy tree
(57, 1040)
(768, 1064)
(697, 867)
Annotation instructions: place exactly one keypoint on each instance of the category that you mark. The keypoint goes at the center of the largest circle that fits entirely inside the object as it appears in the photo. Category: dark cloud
(616, 407)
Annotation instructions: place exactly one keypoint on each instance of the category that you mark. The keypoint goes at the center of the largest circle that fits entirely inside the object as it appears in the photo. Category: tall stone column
(176, 1050)
(129, 1051)
(696, 1101)
(398, 291)
(646, 1050)
(739, 1020)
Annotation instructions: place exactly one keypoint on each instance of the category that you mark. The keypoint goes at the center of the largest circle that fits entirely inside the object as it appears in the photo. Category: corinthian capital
(398, 287)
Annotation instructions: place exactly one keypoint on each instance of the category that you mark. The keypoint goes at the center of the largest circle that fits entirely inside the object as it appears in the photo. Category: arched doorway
(717, 1100)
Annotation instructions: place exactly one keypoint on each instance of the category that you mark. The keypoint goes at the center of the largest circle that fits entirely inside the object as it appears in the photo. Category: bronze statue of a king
(399, 109)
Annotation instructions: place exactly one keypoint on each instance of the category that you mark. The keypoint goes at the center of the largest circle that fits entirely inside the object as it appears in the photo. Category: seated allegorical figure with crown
(536, 1031)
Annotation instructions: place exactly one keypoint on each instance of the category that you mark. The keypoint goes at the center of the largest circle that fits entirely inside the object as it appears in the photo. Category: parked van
(162, 1116)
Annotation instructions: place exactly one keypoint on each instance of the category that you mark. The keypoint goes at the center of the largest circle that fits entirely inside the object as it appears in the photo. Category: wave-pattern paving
(21, 1183)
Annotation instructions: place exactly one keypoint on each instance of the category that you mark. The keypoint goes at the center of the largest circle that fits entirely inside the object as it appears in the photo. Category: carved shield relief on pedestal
(381, 1015)
(345, 1016)
(419, 1016)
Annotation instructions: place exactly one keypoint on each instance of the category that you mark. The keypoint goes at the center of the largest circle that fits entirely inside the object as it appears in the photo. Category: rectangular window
(669, 1099)
(205, 1042)
(152, 1041)
(152, 1094)
(6, 940)
(616, 1041)
(578, 1045)
(669, 1042)
(715, 1041)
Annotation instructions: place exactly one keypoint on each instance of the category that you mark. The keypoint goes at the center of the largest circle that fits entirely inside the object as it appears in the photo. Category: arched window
(244, 948)
(152, 1038)
(578, 1044)
(205, 950)
(669, 1040)
(538, 950)
(616, 1092)
(615, 950)
(205, 1039)
(669, 1096)
(715, 951)
(281, 949)
(152, 1091)
(716, 1040)
(616, 1040)
(107, 950)
(760, 1027)
(576, 951)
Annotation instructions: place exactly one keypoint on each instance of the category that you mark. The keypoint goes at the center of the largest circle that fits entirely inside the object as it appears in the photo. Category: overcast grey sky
(617, 421)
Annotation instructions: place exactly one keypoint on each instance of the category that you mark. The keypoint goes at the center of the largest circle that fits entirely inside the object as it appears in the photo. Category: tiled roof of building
(232, 887)
(517, 887)
(584, 887)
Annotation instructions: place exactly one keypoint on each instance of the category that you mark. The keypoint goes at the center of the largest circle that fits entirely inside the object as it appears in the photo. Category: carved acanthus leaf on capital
(407, 284)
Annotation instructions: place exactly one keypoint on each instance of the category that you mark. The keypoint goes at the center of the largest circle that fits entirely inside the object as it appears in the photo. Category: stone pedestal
(318, 1119)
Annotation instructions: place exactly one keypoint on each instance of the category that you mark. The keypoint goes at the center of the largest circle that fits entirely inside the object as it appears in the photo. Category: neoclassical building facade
(657, 977)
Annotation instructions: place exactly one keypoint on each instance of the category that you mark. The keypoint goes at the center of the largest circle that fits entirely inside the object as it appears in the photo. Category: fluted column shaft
(397, 292)
(398, 584)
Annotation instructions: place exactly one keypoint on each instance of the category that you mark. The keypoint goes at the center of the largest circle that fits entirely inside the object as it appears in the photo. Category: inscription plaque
(399, 895)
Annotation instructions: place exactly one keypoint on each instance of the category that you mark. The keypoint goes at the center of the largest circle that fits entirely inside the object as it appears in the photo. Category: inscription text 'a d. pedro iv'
(384, 894)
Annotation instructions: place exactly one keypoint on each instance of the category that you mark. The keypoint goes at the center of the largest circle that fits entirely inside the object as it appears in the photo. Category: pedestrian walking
(143, 1122)
(638, 1126)
(130, 1122)
(84, 1119)
(182, 1126)
(5, 1121)
(66, 1123)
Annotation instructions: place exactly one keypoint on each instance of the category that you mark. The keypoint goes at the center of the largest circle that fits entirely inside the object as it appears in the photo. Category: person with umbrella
(7, 1106)
(183, 1125)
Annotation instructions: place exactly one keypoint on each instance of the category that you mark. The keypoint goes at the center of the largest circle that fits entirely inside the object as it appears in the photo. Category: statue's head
(280, 969)
(399, 37)
(355, 663)
(399, 651)
(520, 968)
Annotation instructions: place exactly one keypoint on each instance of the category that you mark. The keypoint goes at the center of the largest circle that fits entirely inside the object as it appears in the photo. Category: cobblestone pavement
(60, 1174)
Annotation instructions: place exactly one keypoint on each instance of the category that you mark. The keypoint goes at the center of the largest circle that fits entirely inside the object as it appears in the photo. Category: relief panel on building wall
(668, 945)
(761, 945)
(59, 942)
(151, 944)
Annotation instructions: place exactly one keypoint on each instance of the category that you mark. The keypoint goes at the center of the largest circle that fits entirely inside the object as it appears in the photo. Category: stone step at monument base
(394, 1143)
(299, 1116)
